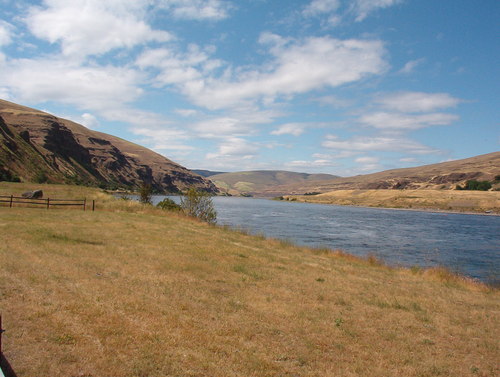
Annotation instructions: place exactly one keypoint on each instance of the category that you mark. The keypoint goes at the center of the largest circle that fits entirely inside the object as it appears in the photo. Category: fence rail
(11, 200)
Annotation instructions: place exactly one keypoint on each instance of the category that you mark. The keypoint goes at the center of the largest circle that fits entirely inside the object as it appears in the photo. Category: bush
(475, 185)
(199, 204)
(169, 205)
(145, 193)
(7, 176)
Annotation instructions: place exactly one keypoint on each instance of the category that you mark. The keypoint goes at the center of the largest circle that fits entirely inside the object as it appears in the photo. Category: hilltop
(37, 146)
(260, 181)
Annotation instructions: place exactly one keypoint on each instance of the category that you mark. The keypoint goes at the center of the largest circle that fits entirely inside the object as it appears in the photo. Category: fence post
(48, 203)
(84, 203)
(93, 205)
(11, 197)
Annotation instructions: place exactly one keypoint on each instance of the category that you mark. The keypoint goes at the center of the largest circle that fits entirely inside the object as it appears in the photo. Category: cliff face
(35, 145)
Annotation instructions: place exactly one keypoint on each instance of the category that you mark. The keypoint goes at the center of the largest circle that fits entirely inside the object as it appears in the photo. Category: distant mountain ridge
(206, 173)
(37, 146)
(259, 181)
(441, 176)
(445, 175)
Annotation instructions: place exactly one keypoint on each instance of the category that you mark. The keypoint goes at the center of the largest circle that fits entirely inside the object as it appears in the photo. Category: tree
(199, 204)
(145, 193)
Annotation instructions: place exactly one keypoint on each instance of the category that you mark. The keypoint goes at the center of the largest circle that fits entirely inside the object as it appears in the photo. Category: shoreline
(431, 210)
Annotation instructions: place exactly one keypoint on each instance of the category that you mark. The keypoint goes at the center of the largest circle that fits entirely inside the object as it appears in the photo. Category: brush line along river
(467, 244)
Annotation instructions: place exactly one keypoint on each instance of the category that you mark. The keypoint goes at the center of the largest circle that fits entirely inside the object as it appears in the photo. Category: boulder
(36, 194)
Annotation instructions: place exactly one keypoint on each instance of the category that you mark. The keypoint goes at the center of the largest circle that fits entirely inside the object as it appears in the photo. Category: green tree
(145, 193)
(199, 204)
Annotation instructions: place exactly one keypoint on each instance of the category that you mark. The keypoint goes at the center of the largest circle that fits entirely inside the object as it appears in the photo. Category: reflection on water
(469, 244)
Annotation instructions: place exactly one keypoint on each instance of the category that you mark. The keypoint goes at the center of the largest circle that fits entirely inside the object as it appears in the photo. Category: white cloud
(186, 112)
(298, 67)
(295, 129)
(362, 8)
(163, 139)
(87, 87)
(6, 33)
(367, 160)
(412, 102)
(359, 9)
(321, 6)
(178, 68)
(89, 121)
(410, 66)
(365, 144)
(368, 164)
(408, 159)
(318, 163)
(397, 121)
(222, 127)
(198, 9)
(234, 147)
(333, 101)
(88, 27)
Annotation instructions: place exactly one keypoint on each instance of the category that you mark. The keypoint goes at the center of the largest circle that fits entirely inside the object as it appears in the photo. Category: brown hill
(445, 175)
(259, 181)
(37, 146)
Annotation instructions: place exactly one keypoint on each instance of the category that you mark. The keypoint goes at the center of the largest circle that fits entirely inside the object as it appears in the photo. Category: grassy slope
(445, 200)
(130, 291)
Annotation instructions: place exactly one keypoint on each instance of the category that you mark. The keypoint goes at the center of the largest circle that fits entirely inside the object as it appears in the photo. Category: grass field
(444, 200)
(128, 290)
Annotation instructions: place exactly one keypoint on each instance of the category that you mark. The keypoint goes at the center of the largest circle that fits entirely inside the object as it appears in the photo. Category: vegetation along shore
(133, 290)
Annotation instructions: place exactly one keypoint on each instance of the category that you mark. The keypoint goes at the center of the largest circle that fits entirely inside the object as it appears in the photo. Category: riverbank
(473, 202)
(130, 290)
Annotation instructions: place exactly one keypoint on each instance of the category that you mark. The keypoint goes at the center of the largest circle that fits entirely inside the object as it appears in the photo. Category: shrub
(475, 185)
(145, 193)
(169, 205)
(199, 204)
(7, 176)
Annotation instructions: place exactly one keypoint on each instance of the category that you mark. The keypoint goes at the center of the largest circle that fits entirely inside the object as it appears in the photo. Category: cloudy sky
(336, 86)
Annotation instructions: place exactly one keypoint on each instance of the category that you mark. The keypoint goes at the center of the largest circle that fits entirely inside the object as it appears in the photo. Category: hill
(129, 290)
(206, 173)
(445, 175)
(259, 181)
(37, 146)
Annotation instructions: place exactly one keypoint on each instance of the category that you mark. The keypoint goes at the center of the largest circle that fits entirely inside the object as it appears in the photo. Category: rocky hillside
(36, 146)
(445, 175)
(260, 181)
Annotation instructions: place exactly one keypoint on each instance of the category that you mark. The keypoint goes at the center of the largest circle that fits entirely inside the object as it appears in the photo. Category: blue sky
(335, 86)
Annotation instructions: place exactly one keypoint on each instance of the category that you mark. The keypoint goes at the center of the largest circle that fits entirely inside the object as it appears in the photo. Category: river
(467, 244)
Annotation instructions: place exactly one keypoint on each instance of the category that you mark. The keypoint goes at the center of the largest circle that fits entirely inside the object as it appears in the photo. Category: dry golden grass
(445, 200)
(132, 291)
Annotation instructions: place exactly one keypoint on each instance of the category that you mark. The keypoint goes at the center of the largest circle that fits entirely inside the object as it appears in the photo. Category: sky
(342, 87)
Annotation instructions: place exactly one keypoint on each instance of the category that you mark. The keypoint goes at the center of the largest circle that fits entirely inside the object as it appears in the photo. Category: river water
(467, 244)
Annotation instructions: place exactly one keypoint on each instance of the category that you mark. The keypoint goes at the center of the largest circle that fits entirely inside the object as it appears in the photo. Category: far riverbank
(447, 201)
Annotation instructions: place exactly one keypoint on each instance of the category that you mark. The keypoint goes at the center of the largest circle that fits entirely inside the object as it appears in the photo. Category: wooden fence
(12, 200)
